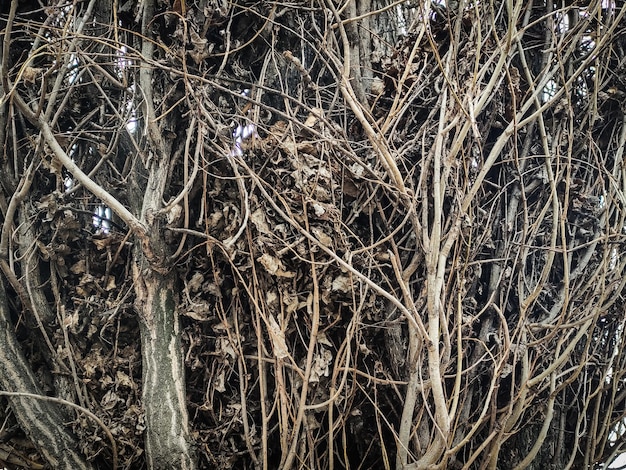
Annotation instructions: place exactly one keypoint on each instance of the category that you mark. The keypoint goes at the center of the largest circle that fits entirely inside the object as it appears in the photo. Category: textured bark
(167, 439)
(167, 435)
(42, 421)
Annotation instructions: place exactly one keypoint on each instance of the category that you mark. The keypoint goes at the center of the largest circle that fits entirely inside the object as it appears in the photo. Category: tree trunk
(167, 435)
(42, 421)
(168, 442)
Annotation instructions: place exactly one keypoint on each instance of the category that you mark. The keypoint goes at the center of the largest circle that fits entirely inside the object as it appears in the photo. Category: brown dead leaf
(45, 253)
(201, 48)
(313, 117)
(124, 380)
(102, 243)
(307, 147)
(175, 214)
(79, 267)
(289, 146)
(319, 209)
(342, 284)
(198, 310)
(274, 266)
(70, 321)
(271, 298)
(260, 222)
(223, 346)
(219, 382)
(195, 283)
(322, 237)
(110, 400)
(30, 74)
(321, 365)
(291, 302)
(357, 170)
(323, 339)
(350, 188)
(110, 285)
(277, 337)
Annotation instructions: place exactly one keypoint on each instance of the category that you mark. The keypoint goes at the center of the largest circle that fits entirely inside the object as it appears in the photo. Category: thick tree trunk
(167, 435)
(167, 439)
(42, 421)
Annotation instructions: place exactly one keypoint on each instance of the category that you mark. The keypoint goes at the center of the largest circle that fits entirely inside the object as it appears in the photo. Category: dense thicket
(316, 234)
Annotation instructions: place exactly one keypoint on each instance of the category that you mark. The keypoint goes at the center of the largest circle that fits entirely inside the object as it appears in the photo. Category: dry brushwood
(307, 235)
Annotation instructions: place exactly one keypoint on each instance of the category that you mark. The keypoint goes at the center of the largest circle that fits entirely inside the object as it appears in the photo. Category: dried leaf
(258, 219)
(223, 346)
(274, 266)
(350, 188)
(307, 147)
(102, 243)
(322, 237)
(271, 298)
(124, 380)
(313, 117)
(199, 311)
(289, 146)
(30, 74)
(321, 365)
(318, 209)
(357, 169)
(323, 339)
(70, 321)
(291, 302)
(200, 48)
(277, 336)
(174, 214)
(80, 267)
(219, 382)
(110, 283)
(342, 284)
(109, 400)
(195, 283)
(45, 253)
(312, 422)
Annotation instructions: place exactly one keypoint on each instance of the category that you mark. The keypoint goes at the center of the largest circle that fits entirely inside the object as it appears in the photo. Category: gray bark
(42, 421)
(167, 434)
(168, 441)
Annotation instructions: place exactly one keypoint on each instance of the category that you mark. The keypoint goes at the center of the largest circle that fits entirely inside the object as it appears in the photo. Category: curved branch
(107, 198)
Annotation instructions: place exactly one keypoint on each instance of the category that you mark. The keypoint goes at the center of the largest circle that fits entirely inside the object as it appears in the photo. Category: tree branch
(116, 206)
